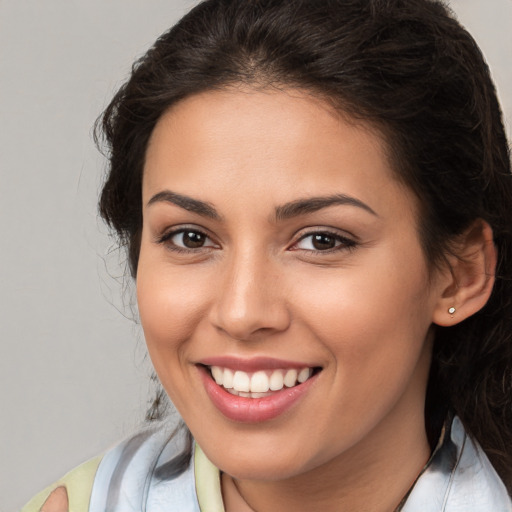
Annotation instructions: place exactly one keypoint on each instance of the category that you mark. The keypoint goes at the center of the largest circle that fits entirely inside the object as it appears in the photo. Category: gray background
(73, 372)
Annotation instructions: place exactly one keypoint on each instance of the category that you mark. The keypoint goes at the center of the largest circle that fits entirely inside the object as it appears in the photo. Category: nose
(250, 300)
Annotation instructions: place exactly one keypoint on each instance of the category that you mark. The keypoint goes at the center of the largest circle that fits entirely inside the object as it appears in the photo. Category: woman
(316, 201)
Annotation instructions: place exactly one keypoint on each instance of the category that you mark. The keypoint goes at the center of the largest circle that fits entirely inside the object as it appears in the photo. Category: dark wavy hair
(409, 69)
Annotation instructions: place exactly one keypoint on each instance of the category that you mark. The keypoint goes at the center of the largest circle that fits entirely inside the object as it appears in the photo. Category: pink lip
(253, 410)
(252, 365)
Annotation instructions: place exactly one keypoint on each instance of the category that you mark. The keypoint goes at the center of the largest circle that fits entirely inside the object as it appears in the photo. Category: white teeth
(218, 374)
(247, 395)
(276, 381)
(241, 381)
(290, 379)
(258, 395)
(227, 378)
(304, 375)
(259, 382)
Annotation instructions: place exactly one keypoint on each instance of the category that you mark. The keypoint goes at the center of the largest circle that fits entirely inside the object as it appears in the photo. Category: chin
(263, 470)
(269, 463)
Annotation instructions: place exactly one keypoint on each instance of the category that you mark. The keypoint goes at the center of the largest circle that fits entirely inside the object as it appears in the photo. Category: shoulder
(475, 485)
(72, 492)
(152, 470)
(153, 462)
(459, 478)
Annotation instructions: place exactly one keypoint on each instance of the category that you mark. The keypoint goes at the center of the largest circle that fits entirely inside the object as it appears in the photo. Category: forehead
(280, 143)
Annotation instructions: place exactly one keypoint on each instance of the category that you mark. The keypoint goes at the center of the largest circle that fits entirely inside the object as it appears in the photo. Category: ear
(467, 284)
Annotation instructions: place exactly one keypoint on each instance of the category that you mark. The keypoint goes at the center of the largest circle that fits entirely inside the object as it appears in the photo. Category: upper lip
(253, 364)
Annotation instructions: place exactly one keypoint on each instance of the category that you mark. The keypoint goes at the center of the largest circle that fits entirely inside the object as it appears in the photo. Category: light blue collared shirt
(153, 472)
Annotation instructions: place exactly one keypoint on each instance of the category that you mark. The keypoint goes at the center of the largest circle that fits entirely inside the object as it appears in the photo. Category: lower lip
(253, 410)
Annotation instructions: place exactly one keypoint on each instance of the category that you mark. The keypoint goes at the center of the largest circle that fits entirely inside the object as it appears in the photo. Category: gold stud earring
(451, 310)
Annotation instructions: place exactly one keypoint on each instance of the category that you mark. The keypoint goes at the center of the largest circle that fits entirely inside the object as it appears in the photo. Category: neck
(372, 476)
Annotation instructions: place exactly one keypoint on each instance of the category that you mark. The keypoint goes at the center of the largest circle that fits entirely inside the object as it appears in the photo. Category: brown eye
(192, 239)
(323, 241)
(187, 239)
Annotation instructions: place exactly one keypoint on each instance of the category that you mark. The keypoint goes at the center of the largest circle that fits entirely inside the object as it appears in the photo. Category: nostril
(250, 324)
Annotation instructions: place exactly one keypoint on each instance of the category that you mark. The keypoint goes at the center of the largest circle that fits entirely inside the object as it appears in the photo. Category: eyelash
(166, 238)
(343, 243)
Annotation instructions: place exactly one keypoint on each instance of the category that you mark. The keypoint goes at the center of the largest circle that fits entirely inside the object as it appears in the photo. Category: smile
(261, 383)
(257, 390)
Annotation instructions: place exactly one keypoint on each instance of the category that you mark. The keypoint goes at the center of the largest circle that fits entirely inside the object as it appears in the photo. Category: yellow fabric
(208, 490)
(78, 484)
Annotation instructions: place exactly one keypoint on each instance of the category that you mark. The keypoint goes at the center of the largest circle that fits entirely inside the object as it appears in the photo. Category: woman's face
(280, 253)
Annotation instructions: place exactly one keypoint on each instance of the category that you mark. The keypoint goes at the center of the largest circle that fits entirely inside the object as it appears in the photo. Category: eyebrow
(314, 204)
(187, 203)
(286, 211)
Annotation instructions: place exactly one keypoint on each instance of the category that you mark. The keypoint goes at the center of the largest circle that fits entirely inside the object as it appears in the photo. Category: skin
(362, 311)
(57, 501)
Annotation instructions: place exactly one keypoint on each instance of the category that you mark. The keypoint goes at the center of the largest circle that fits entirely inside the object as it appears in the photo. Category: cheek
(170, 302)
(373, 320)
(364, 299)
